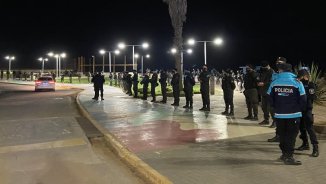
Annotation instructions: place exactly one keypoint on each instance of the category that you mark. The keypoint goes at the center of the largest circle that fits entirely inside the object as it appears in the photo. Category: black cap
(285, 67)
(264, 63)
(281, 60)
(302, 72)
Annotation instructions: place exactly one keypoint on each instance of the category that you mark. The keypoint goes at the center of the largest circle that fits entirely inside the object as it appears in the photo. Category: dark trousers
(145, 89)
(176, 94)
(97, 90)
(129, 85)
(153, 86)
(205, 98)
(306, 125)
(135, 88)
(188, 95)
(228, 100)
(288, 130)
(267, 109)
(163, 89)
(252, 101)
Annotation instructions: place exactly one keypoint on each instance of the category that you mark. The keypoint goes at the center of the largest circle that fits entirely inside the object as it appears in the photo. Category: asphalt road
(41, 141)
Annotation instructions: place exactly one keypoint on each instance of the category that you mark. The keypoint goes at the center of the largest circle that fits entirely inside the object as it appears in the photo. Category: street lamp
(58, 61)
(43, 59)
(174, 51)
(10, 58)
(217, 41)
(122, 46)
(102, 51)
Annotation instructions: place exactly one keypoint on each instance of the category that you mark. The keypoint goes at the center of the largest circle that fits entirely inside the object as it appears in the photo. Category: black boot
(190, 107)
(226, 111)
(276, 138)
(315, 151)
(304, 146)
(248, 117)
(289, 160)
(187, 105)
(231, 113)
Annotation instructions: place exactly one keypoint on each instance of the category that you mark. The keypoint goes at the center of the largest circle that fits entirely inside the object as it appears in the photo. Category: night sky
(252, 30)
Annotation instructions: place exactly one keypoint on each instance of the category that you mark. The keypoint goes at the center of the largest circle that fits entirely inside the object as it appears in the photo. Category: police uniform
(145, 82)
(154, 83)
(175, 88)
(188, 84)
(162, 80)
(306, 124)
(228, 87)
(204, 89)
(135, 84)
(251, 94)
(288, 98)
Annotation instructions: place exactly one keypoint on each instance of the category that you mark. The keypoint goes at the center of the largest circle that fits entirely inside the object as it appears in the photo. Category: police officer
(162, 80)
(204, 88)
(175, 87)
(251, 93)
(228, 87)
(128, 83)
(145, 82)
(288, 98)
(135, 83)
(306, 124)
(265, 79)
(154, 83)
(98, 81)
(188, 84)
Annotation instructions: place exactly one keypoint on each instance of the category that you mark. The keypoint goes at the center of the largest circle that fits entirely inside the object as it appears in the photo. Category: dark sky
(252, 30)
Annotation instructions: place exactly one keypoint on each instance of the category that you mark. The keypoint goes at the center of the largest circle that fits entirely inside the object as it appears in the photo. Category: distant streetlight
(174, 51)
(102, 51)
(58, 61)
(43, 59)
(217, 41)
(10, 58)
(142, 63)
(122, 46)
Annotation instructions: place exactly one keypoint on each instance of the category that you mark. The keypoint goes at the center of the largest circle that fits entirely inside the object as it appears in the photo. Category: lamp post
(43, 59)
(102, 51)
(58, 61)
(122, 46)
(217, 41)
(10, 58)
(142, 63)
(174, 51)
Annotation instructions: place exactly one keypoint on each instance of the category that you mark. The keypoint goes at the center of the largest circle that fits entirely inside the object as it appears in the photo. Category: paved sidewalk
(190, 146)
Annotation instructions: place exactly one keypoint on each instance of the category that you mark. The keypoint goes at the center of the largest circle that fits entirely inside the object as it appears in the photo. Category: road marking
(44, 145)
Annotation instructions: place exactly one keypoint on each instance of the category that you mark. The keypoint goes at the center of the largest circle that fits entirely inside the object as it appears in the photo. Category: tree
(177, 11)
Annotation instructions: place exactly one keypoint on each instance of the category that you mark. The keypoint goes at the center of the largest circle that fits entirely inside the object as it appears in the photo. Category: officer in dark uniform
(162, 80)
(128, 83)
(154, 83)
(145, 82)
(265, 79)
(175, 87)
(204, 88)
(98, 81)
(228, 87)
(135, 83)
(251, 93)
(188, 84)
(306, 124)
(288, 98)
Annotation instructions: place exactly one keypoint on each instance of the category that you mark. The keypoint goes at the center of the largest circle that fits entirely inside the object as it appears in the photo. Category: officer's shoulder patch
(311, 91)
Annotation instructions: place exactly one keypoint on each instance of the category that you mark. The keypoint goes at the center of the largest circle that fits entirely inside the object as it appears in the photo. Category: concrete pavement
(190, 146)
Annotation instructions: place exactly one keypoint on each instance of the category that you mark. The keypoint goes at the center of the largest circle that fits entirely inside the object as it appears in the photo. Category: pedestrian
(98, 81)
(188, 84)
(145, 82)
(163, 81)
(175, 87)
(228, 86)
(154, 83)
(135, 83)
(288, 98)
(265, 79)
(251, 93)
(307, 120)
(128, 83)
(203, 78)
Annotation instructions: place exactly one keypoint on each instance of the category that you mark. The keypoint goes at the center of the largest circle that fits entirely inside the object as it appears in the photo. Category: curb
(321, 129)
(143, 170)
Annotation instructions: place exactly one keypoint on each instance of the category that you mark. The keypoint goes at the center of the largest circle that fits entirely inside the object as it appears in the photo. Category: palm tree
(177, 11)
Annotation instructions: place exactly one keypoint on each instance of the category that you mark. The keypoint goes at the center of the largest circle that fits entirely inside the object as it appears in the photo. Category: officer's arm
(270, 94)
(312, 91)
(303, 97)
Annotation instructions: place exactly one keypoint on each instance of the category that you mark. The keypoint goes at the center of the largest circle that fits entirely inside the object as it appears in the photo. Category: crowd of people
(286, 98)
